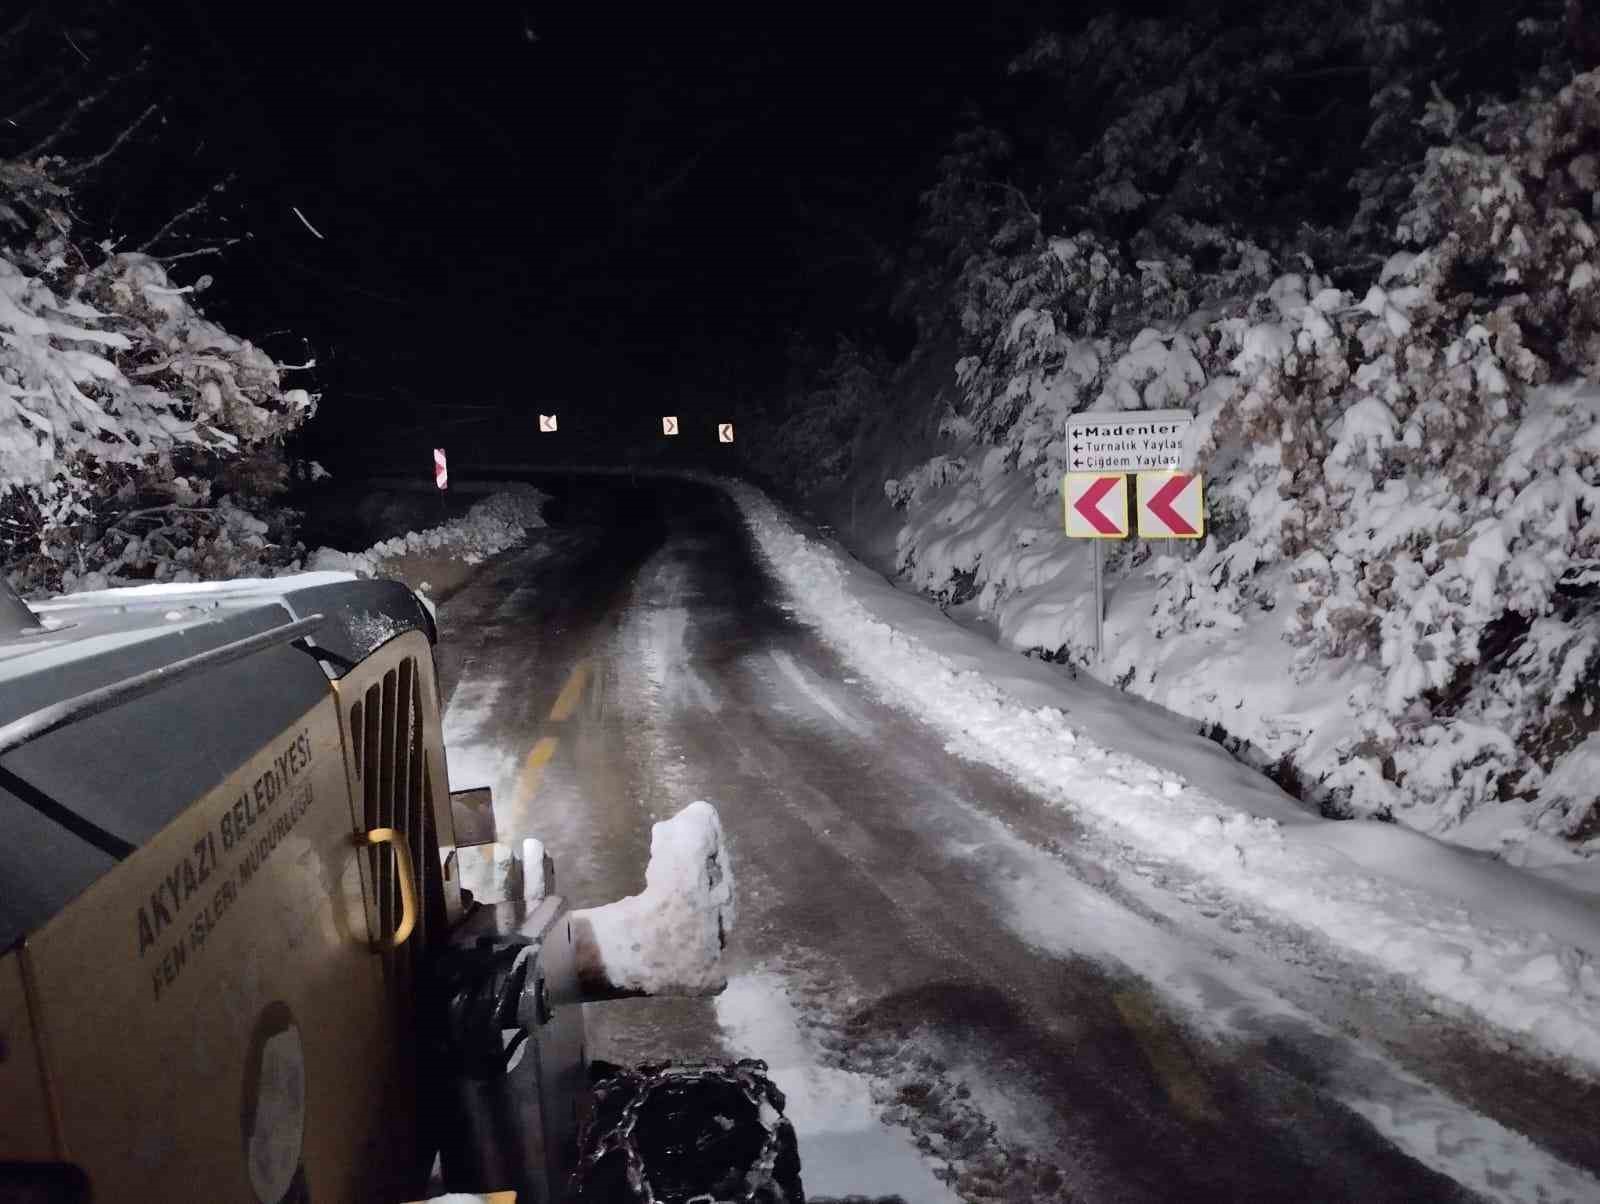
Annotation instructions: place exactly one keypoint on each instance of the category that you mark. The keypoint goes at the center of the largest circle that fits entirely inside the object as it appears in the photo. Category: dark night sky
(630, 207)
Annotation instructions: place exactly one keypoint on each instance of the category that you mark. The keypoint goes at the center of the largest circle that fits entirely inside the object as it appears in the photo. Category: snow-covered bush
(132, 429)
(922, 480)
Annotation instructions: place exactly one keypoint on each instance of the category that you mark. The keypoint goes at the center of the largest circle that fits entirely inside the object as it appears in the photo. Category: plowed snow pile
(1479, 936)
(498, 522)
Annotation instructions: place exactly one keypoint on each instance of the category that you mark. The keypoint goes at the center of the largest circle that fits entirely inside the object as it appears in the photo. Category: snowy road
(1042, 1013)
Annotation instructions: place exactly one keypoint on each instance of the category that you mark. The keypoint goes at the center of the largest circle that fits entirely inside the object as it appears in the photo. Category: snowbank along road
(966, 991)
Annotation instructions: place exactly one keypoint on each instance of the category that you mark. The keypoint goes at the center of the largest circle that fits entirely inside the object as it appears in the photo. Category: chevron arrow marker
(1088, 505)
(1171, 505)
(1096, 505)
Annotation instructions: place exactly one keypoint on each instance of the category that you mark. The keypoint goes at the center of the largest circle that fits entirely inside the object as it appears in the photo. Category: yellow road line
(1178, 1072)
(566, 703)
(533, 768)
(571, 693)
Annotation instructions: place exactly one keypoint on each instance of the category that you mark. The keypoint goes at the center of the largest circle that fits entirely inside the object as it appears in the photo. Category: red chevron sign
(1171, 505)
(1096, 505)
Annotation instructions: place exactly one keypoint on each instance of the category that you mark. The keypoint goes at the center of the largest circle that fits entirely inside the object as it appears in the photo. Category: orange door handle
(396, 840)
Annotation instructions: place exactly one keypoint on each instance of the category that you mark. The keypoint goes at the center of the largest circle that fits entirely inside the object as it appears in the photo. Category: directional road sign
(724, 432)
(1096, 505)
(1172, 505)
(547, 424)
(1129, 441)
(669, 426)
(441, 474)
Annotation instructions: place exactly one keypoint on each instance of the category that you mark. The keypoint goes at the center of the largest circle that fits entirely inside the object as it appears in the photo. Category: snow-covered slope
(1504, 765)
(1396, 596)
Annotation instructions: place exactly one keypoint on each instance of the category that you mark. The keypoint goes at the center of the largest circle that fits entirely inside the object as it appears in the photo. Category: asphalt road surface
(1040, 1013)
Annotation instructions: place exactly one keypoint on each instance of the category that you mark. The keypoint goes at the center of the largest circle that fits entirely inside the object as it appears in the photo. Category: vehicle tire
(676, 1134)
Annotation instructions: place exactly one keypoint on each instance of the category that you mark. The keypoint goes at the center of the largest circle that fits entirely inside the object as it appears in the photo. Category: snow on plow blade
(508, 1049)
(667, 940)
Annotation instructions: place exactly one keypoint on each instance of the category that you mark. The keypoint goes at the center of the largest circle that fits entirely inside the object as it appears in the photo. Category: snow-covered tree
(1357, 239)
(814, 442)
(136, 435)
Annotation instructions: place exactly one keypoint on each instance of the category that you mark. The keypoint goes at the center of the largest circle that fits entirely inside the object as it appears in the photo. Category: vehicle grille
(394, 778)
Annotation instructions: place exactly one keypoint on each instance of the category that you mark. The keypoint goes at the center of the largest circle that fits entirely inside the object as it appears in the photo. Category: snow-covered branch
(184, 215)
(72, 171)
(83, 105)
(115, 392)
(196, 252)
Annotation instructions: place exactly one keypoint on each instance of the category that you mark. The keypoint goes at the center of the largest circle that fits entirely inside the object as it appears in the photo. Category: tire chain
(772, 1177)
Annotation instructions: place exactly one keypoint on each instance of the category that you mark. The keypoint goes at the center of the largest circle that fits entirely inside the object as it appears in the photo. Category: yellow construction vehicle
(236, 959)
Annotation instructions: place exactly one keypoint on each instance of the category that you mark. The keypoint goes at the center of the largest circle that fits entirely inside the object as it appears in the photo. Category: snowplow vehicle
(252, 947)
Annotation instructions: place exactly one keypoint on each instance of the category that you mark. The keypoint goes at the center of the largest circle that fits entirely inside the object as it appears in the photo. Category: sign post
(1102, 448)
(1099, 601)
(1095, 505)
